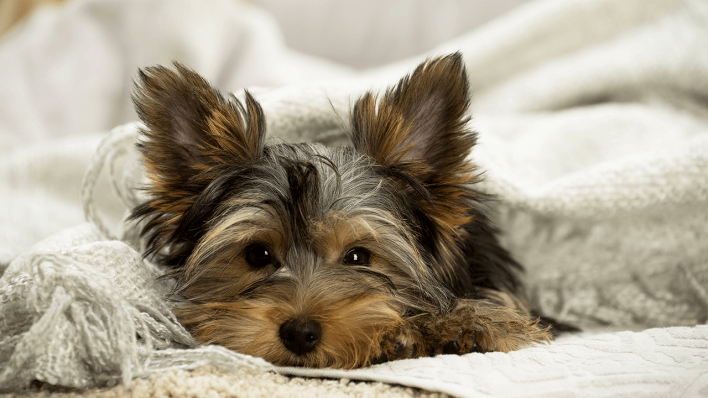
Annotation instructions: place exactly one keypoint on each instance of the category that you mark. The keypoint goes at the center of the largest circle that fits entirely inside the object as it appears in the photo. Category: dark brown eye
(258, 255)
(357, 256)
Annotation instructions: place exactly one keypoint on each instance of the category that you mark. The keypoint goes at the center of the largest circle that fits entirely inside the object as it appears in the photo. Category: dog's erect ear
(421, 119)
(191, 127)
(192, 134)
(420, 126)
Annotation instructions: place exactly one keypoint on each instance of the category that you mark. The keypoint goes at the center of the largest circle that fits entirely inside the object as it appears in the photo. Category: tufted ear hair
(190, 127)
(422, 118)
(420, 125)
(192, 135)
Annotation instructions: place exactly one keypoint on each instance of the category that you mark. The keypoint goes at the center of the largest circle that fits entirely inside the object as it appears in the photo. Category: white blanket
(593, 124)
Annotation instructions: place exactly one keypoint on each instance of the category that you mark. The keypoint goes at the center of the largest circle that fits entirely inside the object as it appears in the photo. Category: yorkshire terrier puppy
(307, 255)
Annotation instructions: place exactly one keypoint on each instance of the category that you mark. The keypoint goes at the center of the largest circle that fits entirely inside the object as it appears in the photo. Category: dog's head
(304, 254)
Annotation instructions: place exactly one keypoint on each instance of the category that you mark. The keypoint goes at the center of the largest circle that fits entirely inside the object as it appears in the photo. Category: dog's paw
(469, 326)
(481, 326)
(448, 333)
(447, 340)
(401, 342)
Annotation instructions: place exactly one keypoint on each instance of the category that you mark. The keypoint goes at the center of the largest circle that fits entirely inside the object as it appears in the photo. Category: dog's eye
(258, 255)
(357, 256)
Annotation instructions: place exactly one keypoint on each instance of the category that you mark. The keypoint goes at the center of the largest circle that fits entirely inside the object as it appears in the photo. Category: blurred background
(68, 64)
(357, 33)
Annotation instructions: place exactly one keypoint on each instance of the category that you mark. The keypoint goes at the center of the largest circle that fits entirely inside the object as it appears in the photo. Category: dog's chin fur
(383, 247)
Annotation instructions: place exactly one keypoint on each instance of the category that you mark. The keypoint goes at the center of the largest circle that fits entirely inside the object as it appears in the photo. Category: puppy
(307, 255)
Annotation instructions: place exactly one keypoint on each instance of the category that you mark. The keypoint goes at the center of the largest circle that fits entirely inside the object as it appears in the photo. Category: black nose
(300, 335)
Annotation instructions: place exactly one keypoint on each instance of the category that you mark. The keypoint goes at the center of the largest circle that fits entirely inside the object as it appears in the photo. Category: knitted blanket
(594, 135)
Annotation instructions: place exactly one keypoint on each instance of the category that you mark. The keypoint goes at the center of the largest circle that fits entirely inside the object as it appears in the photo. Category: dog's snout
(300, 336)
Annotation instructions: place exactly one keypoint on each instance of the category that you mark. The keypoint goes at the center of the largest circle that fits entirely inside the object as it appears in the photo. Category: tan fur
(351, 325)
(338, 232)
(472, 325)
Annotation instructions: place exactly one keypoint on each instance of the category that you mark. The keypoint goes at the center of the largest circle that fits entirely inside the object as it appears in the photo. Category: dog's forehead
(305, 185)
(317, 179)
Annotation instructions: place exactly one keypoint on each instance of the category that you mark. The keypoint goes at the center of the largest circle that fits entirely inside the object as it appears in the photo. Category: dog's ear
(420, 125)
(192, 134)
(422, 118)
(190, 127)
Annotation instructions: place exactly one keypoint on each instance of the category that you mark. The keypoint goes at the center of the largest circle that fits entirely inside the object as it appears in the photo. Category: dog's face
(302, 254)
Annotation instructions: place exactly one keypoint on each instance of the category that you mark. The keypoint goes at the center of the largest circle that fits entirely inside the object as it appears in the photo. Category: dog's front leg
(472, 325)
